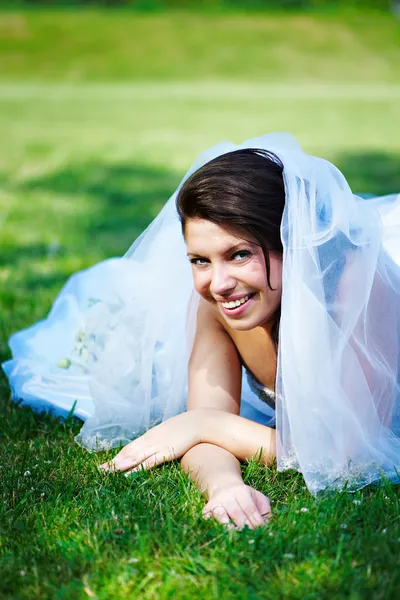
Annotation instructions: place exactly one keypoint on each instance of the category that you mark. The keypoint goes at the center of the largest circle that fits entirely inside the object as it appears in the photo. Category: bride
(274, 319)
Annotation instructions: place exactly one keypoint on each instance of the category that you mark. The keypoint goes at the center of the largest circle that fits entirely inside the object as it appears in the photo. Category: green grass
(72, 46)
(100, 115)
(69, 531)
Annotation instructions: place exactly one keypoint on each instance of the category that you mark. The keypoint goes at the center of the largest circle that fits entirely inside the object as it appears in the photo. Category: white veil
(337, 382)
(139, 340)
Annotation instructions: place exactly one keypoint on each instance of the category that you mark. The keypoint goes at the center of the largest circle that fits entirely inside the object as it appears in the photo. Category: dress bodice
(264, 394)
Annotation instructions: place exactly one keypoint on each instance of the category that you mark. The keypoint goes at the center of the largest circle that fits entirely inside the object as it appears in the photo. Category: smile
(235, 303)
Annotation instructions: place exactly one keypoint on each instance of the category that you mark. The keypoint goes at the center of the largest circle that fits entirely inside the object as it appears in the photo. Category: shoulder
(209, 319)
(212, 336)
(214, 367)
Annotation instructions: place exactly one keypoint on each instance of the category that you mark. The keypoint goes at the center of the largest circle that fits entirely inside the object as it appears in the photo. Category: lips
(235, 303)
(235, 306)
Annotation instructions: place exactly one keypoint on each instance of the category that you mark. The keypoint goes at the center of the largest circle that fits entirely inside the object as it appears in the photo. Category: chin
(245, 324)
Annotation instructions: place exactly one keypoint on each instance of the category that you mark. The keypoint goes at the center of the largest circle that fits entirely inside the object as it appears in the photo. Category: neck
(271, 327)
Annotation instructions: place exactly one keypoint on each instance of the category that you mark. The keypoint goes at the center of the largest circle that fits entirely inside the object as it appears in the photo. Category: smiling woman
(232, 273)
(291, 279)
(234, 242)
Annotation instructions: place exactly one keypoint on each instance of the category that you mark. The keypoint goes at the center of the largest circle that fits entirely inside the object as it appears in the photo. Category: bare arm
(215, 371)
(241, 437)
(209, 434)
(211, 467)
(215, 383)
(217, 473)
(213, 357)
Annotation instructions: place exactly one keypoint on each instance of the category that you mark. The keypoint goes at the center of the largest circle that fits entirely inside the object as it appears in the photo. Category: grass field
(100, 115)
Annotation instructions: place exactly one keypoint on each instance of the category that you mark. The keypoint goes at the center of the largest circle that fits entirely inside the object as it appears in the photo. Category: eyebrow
(227, 252)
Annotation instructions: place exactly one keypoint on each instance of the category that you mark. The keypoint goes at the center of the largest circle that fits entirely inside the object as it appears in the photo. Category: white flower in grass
(384, 530)
(133, 560)
(288, 555)
(271, 534)
(357, 502)
(27, 474)
(22, 573)
(304, 509)
(343, 526)
(251, 541)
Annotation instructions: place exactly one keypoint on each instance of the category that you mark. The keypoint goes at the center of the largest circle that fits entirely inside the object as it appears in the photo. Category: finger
(237, 515)
(119, 464)
(152, 461)
(264, 506)
(131, 458)
(146, 465)
(106, 467)
(251, 511)
(217, 512)
(113, 463)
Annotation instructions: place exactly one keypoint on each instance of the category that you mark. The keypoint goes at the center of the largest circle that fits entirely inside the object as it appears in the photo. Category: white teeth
(234, 303)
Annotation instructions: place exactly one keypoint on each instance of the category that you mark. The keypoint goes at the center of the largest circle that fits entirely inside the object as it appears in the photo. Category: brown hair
(241, 190)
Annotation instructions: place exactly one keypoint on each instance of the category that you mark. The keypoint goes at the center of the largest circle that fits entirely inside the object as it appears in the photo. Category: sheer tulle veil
(338, 416)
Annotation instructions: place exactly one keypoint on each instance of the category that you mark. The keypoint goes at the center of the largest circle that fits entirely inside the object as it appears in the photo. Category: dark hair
(241, 190)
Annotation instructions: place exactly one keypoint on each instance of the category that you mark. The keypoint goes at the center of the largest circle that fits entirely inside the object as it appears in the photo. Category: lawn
(101, 113)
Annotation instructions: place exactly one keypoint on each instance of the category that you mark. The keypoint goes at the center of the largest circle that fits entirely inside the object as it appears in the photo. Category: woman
(294, 281)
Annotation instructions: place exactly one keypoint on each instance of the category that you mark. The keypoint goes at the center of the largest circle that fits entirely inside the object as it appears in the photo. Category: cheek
(276, 273)
(274, 295)
(201, 281)
(257, 274)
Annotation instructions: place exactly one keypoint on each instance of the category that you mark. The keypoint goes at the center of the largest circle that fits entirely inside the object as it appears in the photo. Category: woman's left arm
(243, 438)
(173, 438)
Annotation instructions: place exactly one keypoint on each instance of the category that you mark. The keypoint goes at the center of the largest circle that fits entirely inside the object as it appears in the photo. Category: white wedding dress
(115, 346)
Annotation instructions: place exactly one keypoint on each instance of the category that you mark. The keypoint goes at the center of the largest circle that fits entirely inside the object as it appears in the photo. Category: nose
(222, 283)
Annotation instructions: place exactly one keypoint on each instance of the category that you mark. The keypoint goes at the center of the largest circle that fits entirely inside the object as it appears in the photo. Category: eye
(199, 262)
(241, 255)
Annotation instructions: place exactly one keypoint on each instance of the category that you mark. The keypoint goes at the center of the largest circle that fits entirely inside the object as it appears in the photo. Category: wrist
(224, 482)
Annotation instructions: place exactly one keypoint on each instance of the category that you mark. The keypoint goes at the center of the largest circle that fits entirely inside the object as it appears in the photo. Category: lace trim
(350, 476)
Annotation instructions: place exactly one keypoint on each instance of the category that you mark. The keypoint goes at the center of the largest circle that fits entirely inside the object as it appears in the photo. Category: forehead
(201, 236)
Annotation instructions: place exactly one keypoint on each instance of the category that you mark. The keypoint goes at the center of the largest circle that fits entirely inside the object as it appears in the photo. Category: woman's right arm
(218, 475)
(215, 377)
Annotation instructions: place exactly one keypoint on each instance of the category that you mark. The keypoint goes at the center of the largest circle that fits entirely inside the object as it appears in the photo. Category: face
(230, 273)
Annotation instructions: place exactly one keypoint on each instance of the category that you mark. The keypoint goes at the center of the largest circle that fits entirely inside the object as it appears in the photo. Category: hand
(240, 504)
(167, 441)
